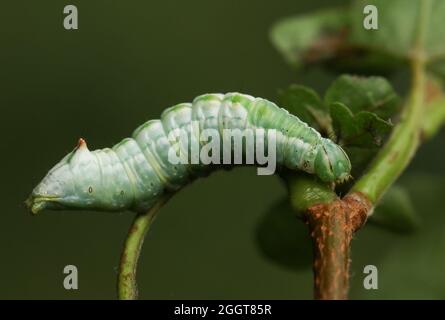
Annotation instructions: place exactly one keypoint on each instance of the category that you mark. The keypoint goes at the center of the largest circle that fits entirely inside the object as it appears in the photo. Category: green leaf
(352, 114)
(323, 37)
(338, 39)
(360, 134)
(400, 24)
(364, 129)
(396, 211)
(397, 26)
(434, 117)
(309, 37)
(359, 109)
(307, 105)
(374, 94)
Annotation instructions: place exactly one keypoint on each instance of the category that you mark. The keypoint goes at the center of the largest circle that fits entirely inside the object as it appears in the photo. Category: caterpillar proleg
(134, 173)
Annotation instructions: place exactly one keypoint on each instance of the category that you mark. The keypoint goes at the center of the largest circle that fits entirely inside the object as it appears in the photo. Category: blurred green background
(125, 64)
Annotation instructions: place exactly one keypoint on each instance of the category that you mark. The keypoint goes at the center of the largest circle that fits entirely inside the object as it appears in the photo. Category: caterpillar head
(332, 163)
(69, 184)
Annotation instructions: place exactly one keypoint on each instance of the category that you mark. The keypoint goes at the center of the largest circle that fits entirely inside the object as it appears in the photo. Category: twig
(127, 286)
(333, 224)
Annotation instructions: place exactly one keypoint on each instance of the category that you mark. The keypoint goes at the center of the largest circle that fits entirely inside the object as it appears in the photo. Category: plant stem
(332, 222)
(327, 223)
(306, 191)
(127, 286)
(406, 136)
(401, 146)
(332, 226)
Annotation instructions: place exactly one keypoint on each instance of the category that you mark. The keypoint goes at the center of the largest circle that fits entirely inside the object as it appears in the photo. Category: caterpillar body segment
(134, 173)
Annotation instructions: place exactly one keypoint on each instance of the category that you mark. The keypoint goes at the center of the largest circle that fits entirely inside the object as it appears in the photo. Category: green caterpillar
(136, 172)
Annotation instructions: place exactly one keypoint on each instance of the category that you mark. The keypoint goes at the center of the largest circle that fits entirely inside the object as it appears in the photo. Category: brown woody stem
(332, 226)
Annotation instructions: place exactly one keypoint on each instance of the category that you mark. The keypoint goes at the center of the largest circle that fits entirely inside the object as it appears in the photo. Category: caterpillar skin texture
(135, 172)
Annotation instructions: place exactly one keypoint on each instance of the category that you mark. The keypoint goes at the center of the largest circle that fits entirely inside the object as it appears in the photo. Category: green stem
(401, 146)
(406, 136)
(306, 191)
(127, 286)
